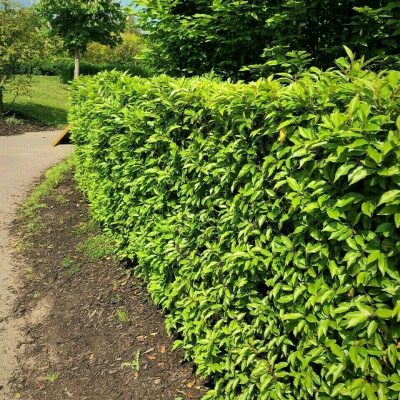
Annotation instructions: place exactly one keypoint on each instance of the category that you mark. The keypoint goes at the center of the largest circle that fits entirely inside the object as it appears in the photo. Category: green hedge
(265, 219)
(64, 68)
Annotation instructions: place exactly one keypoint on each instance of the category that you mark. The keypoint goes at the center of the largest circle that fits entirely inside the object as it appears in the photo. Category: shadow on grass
(47, 115)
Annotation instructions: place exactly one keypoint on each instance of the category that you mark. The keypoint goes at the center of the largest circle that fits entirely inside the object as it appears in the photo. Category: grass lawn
(47, 103)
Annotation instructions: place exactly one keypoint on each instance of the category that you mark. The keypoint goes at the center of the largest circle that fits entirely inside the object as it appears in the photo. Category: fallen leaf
(162, 349)
(191, 384)
(148, 351)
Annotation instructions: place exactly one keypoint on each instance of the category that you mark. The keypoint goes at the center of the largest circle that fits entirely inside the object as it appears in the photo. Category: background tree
(18, 44)
(195, 36)
(80, 22)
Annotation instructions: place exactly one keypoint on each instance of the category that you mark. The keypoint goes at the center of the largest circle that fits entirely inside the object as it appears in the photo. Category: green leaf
(354, 104)
(371, 328)
(357, 317)
(375, 155)
(358, 174)
(393, 354)
(293, 184)
(368, 208)
(389, 196)
(369, 391)
(384, 313)
(396, 387)
(349, 53)
(397, 220)
(375, 365)
(344, 170)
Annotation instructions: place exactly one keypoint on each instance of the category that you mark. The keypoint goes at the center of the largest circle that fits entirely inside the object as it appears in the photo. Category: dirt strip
(91, 330)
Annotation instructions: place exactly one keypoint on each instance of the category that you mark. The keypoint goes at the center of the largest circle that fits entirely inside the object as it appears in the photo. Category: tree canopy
(195, 36)
(79, 23)
(18, 44)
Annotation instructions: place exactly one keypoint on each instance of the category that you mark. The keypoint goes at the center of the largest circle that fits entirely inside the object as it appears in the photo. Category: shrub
(125, 52)
(64, 68)
(264, 217)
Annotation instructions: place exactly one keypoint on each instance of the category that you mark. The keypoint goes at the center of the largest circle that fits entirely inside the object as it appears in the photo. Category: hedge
(265, 218)
(64, 68)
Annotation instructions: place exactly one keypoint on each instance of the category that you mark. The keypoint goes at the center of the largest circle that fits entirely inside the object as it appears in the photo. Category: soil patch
(92, 331)
(20, 126)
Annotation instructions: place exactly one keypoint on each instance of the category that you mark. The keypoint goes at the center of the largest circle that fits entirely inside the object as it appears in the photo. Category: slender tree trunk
(1, 103)
(77, 63)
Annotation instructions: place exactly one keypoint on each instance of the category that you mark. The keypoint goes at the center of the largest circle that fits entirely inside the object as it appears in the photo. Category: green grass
(34, 203)
(53, 377)
(47, 102)
(72, 267)
(52, 178)
(122, 315)
(97, 247)
(134, 364)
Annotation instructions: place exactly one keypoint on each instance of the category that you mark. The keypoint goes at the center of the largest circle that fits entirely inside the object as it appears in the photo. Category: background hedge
(264, 217)
(64, 68)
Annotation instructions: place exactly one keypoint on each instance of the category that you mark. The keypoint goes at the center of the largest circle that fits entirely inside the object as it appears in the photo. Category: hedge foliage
(64, 68)
(265, 218)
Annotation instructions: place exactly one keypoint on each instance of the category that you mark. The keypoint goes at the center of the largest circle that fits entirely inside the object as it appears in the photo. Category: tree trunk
(77, 63)
(1, 103)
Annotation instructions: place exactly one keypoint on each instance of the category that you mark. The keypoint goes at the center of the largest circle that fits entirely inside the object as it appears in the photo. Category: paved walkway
(23, 159)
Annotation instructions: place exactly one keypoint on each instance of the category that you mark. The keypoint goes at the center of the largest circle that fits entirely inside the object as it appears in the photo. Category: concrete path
(23, 159)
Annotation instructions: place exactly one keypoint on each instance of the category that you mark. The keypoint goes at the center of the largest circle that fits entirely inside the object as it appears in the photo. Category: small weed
(59, 198)
(134, 365)
(122, 315)
(118, 298)
(71, 266)
(115, 285)
(53, 377)
(97, 247)
(33, 226)
(85, 227)
(13, 120)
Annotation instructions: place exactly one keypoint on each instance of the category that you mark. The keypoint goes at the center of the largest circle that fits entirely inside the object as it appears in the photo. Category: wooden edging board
(63, 136)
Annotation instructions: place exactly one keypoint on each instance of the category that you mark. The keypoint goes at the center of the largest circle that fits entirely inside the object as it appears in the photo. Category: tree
(195, 36)
(18, 44)
(79, 22)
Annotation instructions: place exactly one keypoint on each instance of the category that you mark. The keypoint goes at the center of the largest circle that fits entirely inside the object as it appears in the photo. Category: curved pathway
(23, 159)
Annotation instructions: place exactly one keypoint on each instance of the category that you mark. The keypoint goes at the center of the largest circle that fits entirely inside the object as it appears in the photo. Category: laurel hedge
(265, 218)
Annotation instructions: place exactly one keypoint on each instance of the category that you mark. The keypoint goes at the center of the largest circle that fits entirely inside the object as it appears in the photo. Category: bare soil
(25, 126)
(76, 346)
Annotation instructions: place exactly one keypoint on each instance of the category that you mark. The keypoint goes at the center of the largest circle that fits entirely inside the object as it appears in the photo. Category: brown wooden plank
(64, 135)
